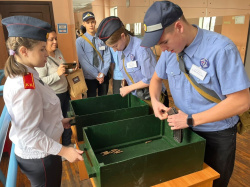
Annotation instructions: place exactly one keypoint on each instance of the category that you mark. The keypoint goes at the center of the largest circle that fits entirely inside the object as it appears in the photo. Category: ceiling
(81, 5)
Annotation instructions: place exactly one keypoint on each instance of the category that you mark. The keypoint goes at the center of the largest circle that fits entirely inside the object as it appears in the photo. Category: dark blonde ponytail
(12, 67)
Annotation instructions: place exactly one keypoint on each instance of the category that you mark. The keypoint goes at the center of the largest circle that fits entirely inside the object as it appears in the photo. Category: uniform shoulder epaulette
(28, 81)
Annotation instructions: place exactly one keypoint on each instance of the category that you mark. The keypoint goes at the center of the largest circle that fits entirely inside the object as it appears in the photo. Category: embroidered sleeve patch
(28, 81)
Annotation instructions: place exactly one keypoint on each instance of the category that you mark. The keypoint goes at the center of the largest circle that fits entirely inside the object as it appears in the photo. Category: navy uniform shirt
(85, 57)
(117, 75)
(219, 57)
(144, 58)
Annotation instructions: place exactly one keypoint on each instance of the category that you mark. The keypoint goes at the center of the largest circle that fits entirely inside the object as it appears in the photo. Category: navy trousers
(116, 86)
(94, 84)
(43, 172)
(220, 153)
(67, 133)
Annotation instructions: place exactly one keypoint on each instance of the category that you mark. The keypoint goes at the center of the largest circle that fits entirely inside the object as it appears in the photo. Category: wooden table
(202, 178)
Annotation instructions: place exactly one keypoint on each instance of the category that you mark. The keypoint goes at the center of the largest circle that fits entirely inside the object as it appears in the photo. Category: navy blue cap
(159, 16)
(26, 27)
(108, 26)
(87, 15)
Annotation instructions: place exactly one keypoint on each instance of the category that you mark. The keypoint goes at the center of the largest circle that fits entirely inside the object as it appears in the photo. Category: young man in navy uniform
(213, 61)
(94, 57)
(136, 63)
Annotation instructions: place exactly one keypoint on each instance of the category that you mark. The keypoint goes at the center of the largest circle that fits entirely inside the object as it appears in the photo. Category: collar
(89, 36)
(57, 53)
(33, 71)
(129, 47)
(192, 48)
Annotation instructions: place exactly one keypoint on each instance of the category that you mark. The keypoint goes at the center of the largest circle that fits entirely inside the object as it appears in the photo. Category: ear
(179, 26)
(84, 23)
(23, 51)
(123, 35)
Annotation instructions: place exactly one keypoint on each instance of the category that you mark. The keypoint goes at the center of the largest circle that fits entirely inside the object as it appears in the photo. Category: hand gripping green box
(140, 152)
(103, 109)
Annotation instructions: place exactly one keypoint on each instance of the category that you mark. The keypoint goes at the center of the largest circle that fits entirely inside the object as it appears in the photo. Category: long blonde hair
(12, 67)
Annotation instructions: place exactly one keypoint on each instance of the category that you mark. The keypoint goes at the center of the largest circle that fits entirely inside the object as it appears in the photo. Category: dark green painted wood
(93, 111)
(105, 103)
(141, 164)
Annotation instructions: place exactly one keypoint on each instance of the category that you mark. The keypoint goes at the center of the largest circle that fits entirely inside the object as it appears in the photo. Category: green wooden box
(150, 155)
(93, 111)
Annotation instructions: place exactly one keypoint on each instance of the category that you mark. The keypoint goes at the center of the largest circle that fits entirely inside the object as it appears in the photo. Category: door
(40, 10)
(37, 9)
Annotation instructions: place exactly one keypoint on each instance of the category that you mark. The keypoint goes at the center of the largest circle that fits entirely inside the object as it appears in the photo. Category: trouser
(67, 133)
(166, 100)
(42, 172)
(116, 86)
(220, 153)
(94, 84)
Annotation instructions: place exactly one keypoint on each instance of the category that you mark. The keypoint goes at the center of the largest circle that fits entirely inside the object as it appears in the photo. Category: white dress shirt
(35, 117)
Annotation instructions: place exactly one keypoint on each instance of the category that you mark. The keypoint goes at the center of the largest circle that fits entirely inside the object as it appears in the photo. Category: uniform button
(172, 73)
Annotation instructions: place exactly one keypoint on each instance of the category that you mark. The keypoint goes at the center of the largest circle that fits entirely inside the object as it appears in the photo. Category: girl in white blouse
(36, 117)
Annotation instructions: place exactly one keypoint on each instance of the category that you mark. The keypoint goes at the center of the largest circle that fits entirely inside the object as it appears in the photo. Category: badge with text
(28, 81)
(198, 72)
(132, 64)
(75, 79)
(204, 63)
(102, 48)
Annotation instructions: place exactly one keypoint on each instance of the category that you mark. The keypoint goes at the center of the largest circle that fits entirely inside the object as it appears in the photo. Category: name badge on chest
(198, 72)
(102, 48)
(132, 64)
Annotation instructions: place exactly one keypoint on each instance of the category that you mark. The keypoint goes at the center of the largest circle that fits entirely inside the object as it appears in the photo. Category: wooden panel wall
(236, 32)
(191, 8)
(229, 4)
(194, 9)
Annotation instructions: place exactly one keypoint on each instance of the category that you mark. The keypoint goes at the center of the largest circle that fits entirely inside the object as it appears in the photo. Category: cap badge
(88, 15)
(204, 63)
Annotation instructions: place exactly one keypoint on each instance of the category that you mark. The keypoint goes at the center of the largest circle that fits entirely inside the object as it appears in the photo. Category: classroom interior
(227, 17)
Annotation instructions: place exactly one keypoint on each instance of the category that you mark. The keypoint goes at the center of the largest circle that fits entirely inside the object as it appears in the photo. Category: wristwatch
(190, 120)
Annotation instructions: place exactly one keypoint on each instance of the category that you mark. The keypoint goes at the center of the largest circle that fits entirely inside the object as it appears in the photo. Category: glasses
(52, 39)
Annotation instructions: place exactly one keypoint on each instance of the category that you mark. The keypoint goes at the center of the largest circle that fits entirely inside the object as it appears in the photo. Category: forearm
(66, 123)
(234, 104)
(105, 68)
(46, 77)
(138, 85)
(155, 88)
(85, 61)
(63, 151)
(89, 69)
(107, 61)
(51, 79)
